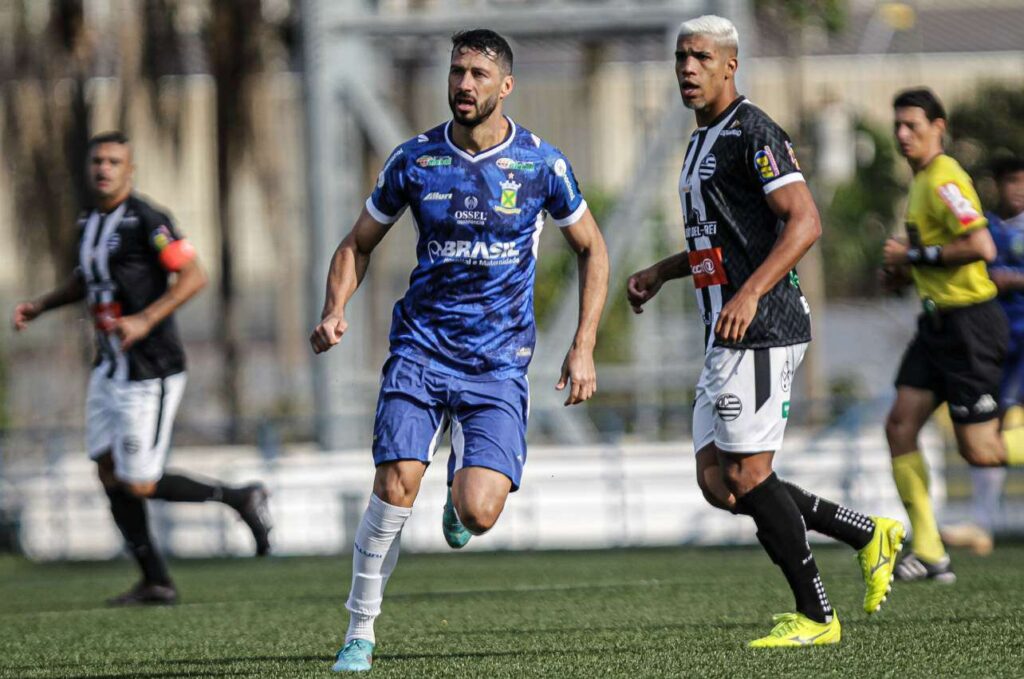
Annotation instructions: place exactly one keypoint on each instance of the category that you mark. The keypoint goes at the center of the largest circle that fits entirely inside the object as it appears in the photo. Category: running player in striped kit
(134, 271)
(749, 218)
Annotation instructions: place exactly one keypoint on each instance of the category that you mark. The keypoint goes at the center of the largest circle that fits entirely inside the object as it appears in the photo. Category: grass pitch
(628, 613)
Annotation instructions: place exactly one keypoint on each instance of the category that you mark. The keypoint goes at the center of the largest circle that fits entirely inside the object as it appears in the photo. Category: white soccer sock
(374, 556)
(988, 490)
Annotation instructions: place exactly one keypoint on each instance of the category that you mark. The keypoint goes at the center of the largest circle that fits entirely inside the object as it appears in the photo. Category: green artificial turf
(626, 613)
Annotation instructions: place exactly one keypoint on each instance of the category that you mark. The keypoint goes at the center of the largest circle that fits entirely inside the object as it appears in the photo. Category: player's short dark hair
(112, 137)
(923, 98)
(487, 42)
(1004, 166)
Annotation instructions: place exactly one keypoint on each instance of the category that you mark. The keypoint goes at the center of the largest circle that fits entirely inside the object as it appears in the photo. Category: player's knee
(141, 490)
(900, 431)
(477, 522)
(395, 490)
(982, 455)
(713, 495)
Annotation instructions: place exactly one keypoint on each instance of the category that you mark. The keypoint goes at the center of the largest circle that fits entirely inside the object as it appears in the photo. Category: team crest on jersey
(509, 195)
(434, 161)
(707, 166)
(792, 155)
(764, 163)
(515, 165)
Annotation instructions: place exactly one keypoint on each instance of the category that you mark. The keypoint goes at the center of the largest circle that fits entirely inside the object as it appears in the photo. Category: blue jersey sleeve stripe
(576, 216)
(380, 216)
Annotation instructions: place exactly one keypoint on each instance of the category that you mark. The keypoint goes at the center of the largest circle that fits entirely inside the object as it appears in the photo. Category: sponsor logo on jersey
(434, 195)
(474, 252)
(728, 407)
(471, 215)
(514, 165)
(731, 133)
(785, 410)
(792, 155)
(956, 201)
(706, 267)
(764, 163)
(562, 170)
(523, 352)
(707, 166)
(384, 170)
(162, 237)
(509, 193)
(701, 229)
(434, 161)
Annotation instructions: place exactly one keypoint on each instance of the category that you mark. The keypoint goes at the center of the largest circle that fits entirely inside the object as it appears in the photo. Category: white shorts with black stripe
(742, 403)
(133, 420)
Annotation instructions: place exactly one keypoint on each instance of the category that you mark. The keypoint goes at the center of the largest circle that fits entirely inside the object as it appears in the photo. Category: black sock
(179, 488)
(130, 516)
(781, 531)
(828, 518)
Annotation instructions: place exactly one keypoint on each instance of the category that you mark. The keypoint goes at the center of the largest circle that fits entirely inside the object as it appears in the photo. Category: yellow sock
(1013, 439)
(911, 474)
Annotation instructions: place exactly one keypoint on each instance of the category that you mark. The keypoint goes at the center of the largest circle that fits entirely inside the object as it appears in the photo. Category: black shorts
(958, 355)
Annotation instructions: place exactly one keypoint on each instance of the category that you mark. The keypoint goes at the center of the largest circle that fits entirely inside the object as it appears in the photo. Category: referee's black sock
(180, 488)
(781, 531)
(828, 518)
(130, 516)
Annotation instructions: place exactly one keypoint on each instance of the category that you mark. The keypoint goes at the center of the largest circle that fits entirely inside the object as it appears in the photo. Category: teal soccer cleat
(355, 656)
(455, 534)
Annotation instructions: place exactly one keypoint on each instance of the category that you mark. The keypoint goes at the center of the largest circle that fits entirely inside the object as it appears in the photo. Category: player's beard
(482, 113)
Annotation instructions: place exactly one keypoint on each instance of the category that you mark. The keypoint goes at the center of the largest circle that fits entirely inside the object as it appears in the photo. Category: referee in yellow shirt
(957, 354)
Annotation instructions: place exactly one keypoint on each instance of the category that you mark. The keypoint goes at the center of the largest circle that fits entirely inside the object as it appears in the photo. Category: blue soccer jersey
(1008, 235)
(469, 307)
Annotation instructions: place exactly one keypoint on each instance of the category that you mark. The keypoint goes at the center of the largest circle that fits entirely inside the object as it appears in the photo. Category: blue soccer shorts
(417, 405)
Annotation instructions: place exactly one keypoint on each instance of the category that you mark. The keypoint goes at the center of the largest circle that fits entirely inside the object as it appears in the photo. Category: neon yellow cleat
(877, 560)
(796, 629)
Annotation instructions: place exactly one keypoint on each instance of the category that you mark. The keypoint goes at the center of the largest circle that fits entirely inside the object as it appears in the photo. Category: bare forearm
(189, 281)
(797, 237)
(72, 290)
(676, 266)
(593, 266)
(348, 267)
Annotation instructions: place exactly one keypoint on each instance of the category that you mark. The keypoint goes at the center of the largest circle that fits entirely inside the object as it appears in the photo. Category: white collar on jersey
(483, 154)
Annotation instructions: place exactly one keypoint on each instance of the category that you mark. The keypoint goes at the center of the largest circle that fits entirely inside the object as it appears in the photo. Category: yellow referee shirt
(944, 206)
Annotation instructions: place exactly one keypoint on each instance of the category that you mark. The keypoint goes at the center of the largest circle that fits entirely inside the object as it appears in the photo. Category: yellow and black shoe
(878, 561)
(796, 629)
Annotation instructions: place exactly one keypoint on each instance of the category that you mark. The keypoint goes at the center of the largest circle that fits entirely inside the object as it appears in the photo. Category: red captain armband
(176, 254)
(706, 267)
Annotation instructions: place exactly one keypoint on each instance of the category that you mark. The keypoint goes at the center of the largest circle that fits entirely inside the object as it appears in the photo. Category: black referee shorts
(958, 355)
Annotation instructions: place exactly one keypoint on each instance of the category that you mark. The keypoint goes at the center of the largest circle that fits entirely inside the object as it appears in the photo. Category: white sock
(988, 490)
(374, 556)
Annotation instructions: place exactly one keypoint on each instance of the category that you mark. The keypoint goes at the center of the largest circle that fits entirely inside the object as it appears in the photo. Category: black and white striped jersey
(122, 259)
(730, 166)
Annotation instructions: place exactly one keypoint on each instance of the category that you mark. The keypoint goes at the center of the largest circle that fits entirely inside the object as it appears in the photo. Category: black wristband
(929, 255)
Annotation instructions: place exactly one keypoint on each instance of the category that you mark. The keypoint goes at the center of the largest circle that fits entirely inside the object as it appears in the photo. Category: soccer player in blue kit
(462, 337)
(1006, 224)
